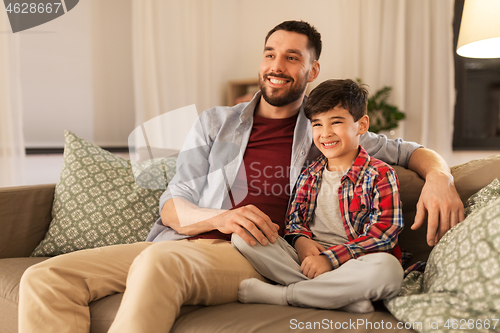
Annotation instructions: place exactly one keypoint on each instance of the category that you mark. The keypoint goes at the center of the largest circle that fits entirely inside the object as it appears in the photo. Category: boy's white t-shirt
(327, 226)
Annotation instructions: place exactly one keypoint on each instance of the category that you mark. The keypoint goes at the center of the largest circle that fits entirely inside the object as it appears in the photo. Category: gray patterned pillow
(97, 201)
(460, 289)
(482, 197)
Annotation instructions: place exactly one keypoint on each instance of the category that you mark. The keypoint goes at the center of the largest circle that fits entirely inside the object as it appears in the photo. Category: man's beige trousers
(157, 279)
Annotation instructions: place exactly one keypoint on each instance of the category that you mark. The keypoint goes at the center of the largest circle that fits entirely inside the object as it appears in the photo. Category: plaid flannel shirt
(369, 204)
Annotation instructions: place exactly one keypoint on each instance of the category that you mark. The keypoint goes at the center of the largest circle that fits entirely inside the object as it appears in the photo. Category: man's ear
(313, 74)
(363, 124)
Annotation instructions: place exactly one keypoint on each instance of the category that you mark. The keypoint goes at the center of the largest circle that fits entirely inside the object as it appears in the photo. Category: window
(477, 109)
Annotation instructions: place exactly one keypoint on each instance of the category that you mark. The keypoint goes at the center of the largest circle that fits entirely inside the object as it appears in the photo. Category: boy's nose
(327, 134)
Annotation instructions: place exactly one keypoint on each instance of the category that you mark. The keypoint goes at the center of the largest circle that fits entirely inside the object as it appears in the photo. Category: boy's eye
(314, 125)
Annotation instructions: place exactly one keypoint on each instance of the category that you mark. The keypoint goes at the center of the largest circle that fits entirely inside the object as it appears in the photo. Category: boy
(343, 222)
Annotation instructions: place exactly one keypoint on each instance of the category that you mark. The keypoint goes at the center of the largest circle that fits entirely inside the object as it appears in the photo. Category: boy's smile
(336, 135)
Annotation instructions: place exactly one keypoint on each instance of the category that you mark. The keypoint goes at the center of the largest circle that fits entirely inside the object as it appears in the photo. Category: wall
(76, 74)
(77, 70)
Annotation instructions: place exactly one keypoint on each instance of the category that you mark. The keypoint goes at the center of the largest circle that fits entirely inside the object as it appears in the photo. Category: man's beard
(289, 96)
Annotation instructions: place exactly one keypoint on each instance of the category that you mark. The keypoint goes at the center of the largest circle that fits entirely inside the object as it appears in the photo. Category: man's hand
(306, 247)
(313, 266)
(189, 219)
(440, 200)
(247, 218)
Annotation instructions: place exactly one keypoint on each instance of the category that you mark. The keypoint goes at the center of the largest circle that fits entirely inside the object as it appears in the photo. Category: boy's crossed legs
(350, 287)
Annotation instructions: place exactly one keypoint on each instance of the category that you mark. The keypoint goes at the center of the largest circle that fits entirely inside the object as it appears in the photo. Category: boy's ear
(363, 124)
(313, 74)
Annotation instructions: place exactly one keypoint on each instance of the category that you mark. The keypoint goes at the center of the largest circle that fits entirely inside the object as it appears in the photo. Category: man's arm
(196, 220)
(439, 199)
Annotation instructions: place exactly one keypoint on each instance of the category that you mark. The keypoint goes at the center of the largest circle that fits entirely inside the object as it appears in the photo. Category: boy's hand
(306, 247)
(315, 265)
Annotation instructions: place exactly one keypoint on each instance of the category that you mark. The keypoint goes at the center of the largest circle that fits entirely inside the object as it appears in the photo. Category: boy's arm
(381, 233)
(306, 247)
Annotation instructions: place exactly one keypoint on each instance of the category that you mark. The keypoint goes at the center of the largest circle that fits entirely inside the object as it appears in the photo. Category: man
(270, 132)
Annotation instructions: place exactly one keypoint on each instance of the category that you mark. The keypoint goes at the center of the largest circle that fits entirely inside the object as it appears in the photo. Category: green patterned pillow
(482, 197)
(97, 201)
(460, 289)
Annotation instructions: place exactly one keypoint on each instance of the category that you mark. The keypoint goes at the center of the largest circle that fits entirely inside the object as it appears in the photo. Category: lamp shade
(479, 35)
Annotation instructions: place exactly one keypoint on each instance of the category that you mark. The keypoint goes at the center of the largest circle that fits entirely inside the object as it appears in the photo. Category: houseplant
(383, 115)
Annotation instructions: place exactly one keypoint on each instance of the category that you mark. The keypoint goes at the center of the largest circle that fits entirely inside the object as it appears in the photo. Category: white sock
(256, 291)
(363, 306)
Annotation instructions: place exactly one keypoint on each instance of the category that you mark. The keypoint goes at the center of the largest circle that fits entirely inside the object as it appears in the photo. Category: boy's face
(336, 135)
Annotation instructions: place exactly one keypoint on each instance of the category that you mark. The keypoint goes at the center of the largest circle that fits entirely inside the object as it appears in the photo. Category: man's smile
(277, 81)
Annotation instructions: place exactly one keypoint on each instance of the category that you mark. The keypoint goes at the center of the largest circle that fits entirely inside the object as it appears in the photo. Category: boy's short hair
(303, 28)
(345, 93)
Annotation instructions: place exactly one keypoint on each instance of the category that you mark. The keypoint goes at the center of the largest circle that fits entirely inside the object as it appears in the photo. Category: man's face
(285, 68)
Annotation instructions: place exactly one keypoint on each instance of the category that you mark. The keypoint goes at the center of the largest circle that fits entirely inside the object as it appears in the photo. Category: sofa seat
(232, 317)
(11, 271)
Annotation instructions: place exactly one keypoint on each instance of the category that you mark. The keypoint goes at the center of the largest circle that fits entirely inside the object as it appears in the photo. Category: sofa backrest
(25, 215)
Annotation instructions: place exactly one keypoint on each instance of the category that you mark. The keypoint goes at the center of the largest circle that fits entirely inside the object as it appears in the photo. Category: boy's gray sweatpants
(371, 277)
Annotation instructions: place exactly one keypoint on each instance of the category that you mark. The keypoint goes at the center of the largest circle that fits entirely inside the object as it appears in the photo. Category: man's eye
(292, 58)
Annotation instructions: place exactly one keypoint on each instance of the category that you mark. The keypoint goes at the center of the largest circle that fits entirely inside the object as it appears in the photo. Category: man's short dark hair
(303, 28)
(343, 93)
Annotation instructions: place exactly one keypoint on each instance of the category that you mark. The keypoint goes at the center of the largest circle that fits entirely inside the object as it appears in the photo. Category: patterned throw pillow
(482, 197)
(460, 289)
(98, 202)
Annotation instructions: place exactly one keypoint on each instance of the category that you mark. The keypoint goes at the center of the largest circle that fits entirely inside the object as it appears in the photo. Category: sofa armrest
(25, 215)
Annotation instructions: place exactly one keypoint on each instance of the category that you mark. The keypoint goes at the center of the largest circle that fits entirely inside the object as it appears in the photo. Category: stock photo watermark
(24, 15)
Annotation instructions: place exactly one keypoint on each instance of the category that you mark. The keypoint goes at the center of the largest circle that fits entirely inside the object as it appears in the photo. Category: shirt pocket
(359, 210)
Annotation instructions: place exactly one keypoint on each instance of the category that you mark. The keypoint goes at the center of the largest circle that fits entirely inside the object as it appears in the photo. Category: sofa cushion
(413, 241)
(11, 271)
(472, 176)
(97, 201)
(264, 318)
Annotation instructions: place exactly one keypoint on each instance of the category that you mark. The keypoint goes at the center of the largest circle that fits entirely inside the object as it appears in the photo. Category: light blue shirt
(213, 153)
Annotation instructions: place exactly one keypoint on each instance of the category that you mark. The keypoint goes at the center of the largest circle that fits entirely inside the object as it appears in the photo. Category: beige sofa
(25, 214)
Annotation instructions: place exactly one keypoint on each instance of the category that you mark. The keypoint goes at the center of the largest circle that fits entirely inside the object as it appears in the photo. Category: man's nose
(278, 65)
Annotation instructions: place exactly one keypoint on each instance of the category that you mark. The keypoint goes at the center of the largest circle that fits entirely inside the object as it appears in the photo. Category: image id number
(471, 324)
(33, 7)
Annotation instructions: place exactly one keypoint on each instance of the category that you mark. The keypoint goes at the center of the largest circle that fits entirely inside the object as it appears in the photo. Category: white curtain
(171, 56)
(405, 44)
(11, 135)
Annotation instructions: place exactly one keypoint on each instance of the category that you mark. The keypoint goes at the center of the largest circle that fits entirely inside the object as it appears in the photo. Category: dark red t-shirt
(266, 173)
